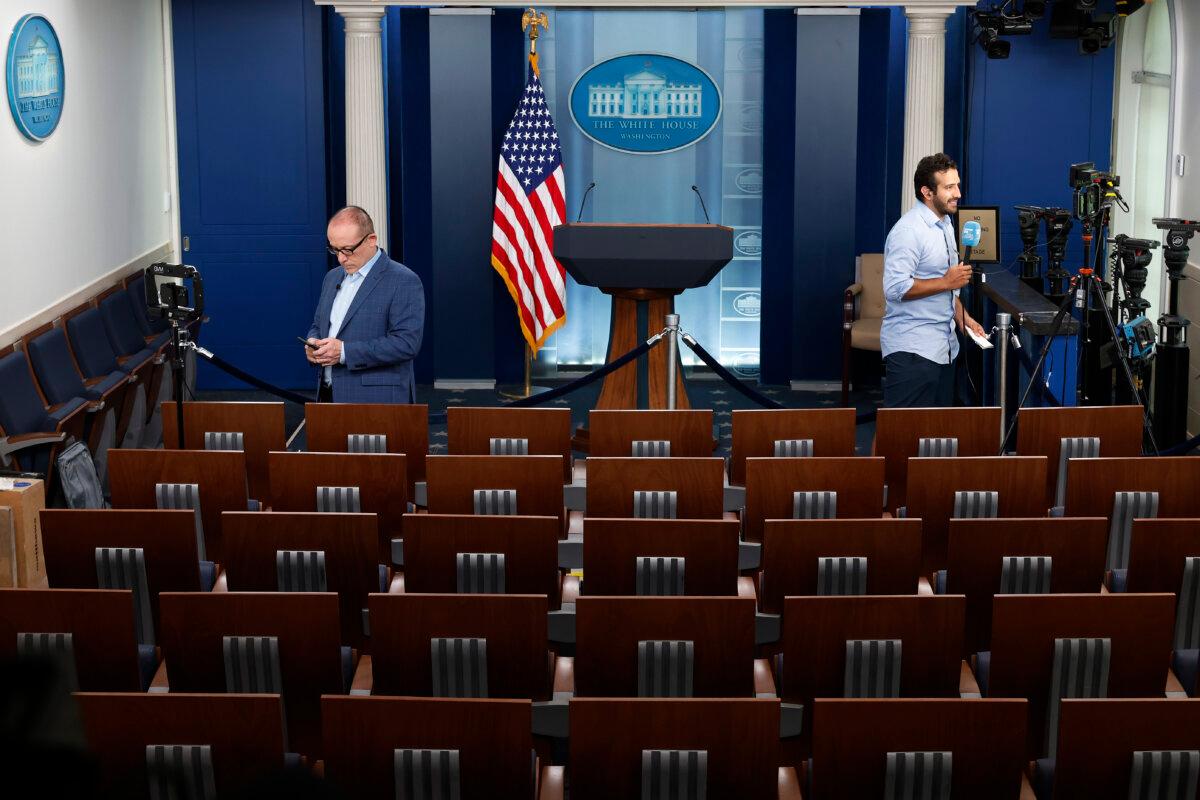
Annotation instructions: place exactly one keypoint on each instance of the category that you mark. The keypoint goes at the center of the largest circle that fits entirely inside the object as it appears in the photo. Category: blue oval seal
(748, 304)
(747, 364)
(35, 77)
(645, 103)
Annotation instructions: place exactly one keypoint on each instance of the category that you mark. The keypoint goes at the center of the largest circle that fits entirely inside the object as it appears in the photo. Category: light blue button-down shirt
(341, 304)
(920, 246)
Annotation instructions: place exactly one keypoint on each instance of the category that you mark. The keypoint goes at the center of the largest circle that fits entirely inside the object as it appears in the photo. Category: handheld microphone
(703, 207)
(586, 192)
(970, 237)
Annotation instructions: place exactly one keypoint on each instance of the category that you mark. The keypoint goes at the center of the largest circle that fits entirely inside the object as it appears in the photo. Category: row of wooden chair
(812, 659)
(1024, 661)
(755, 434)
(372, 744)
(790, 650)
(703, 556)
(1097, 487)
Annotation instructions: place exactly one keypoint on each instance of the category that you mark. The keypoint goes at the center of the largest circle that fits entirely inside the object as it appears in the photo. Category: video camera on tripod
(1058, 227)
(167, 298)
(1130, 259)
(1171, 368)
(167, 292)
(1093, 190)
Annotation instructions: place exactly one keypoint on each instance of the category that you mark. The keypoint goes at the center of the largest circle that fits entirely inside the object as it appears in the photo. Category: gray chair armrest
(575, 496)
(749, 555)
(767, 628)
(560, 625)
(15, 444)
(735, 498)
(570, 552)
(791, 720)
(552, 718)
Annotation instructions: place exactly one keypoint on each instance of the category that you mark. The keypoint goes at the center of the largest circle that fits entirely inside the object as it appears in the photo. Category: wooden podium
(642, 267)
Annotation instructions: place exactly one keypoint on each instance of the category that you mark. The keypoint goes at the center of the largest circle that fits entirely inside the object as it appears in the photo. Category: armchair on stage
(643, 267)
(860, 327)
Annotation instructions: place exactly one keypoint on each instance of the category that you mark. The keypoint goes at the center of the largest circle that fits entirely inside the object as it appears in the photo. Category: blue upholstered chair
(93, 351)
(30, 427)
(156, 332)
(96, 357)
(121, 326)
(60, 378)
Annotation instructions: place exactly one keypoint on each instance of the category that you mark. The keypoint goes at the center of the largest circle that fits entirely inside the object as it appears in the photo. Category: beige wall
(1185, 191)
(97, 199)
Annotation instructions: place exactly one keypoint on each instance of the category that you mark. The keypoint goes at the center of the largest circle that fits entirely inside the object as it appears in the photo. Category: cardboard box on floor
(8, 549)
(21, 556)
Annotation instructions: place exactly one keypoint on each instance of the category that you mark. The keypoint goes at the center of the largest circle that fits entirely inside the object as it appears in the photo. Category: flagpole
(531, 22)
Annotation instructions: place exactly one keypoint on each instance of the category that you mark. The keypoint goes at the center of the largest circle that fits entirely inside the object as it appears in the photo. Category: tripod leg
(1123, 360)
(1055, 327)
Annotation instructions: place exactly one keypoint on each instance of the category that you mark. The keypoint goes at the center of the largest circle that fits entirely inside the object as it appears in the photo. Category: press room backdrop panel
(824, 183)
(1030, 117)
(727, 165)
(251, 127)
(97, 194)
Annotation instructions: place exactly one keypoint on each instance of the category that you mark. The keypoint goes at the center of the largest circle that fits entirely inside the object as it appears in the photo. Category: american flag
(530, 201)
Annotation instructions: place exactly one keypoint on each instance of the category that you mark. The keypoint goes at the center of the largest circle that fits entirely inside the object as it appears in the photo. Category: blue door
(250, 108)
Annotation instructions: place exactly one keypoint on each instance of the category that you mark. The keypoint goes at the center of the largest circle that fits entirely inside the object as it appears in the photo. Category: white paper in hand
(982, 341)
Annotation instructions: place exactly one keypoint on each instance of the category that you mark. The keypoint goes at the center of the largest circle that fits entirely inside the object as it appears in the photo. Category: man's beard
(943, 208)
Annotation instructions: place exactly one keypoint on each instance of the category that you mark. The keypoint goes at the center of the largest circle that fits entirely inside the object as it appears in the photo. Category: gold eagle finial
(531, 20)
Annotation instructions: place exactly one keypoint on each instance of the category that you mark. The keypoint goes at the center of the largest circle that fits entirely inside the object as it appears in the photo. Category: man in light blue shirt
(922, 276)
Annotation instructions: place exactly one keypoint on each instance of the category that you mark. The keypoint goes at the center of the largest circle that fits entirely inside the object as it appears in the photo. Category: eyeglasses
(346, 251)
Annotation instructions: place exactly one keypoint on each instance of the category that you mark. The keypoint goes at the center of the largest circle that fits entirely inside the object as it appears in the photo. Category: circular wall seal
(35, 76)
(645, 103)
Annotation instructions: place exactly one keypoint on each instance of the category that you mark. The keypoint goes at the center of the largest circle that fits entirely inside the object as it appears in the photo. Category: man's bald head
(351, 235)
(355, 216)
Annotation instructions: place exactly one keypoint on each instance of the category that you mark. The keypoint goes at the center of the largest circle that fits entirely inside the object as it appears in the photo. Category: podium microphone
(586, 192)
(970, 238)
(703, 207)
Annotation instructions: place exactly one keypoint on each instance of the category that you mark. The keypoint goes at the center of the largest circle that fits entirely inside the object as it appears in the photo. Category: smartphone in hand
(306, 343)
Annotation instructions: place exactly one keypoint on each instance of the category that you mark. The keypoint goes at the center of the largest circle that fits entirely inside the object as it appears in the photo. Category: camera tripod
(1090, 285)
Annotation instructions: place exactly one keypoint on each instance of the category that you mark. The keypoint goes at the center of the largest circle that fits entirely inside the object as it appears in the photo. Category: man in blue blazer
(369, 320)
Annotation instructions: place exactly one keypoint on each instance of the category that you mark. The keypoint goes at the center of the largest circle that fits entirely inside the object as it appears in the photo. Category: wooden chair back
(548, 431)
(932, 483)
(261, 426)
(613, 432)
(756, 431)
(221, 476)
(792, 547)
(697, 482)
(608, 736)
(327, 426)
(608, 629)
(709, 547)
(898, 432)
(771, 483)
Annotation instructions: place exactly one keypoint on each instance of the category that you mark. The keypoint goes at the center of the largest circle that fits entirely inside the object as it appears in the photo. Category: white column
(924, 91)
(366, 159)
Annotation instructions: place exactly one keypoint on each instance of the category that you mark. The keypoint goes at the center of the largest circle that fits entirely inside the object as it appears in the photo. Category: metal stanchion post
(1003, 326)
(672, 325)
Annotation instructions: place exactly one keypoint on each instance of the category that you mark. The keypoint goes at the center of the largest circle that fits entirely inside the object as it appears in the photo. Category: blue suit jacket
(381, 334)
